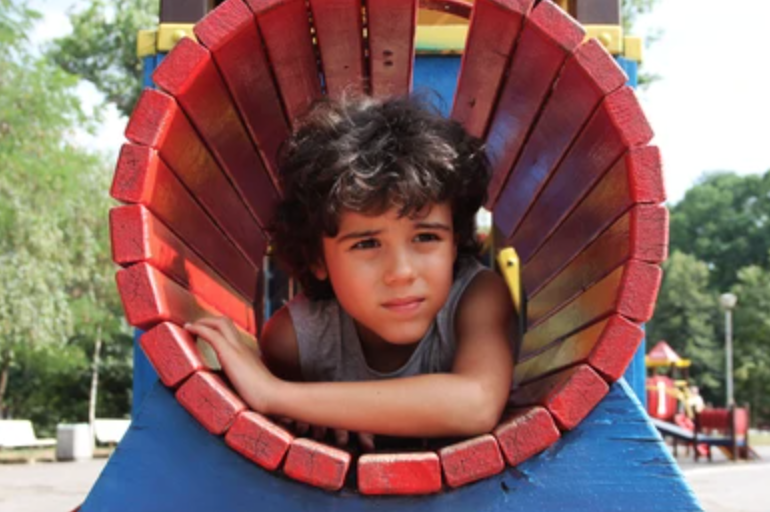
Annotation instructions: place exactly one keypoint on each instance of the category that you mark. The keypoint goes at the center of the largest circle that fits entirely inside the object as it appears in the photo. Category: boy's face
(392, 275)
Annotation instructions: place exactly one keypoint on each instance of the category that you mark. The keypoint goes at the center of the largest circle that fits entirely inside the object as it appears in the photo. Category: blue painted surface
(632, 70)
(636, 373)
(145, 376)
(148, 66)
(613, 461)
(435, 76)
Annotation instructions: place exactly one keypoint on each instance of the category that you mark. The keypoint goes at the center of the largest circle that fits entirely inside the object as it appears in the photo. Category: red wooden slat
(525, 433)
(617, 125)
(402, 473)
(569, 395)
(317, 464)
(641, 234)
(549, 36)
(258, 439)
(172, 352)
(607, 346)
(630, 291)
(141, 177)
(340, 34)
(149, 298)
(189, 74)
(471, 460)
(285, 29)
(494, 28)
(210, 401)
(138, 236)
(588, 75)
(158, 122)
(231, 34)
(391, 28)
(636, 178)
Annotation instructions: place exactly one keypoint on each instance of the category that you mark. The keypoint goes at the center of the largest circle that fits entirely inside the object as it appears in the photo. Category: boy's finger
(319, 433)
(211, 335)
(367, 441)
(301, 428)
(341, 437)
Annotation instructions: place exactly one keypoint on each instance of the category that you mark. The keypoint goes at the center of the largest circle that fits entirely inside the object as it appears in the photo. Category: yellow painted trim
(441, 39)
(169, 34)
(682, 363)
(633, 48)
(146, 43)
(510, 266)
(611, 36)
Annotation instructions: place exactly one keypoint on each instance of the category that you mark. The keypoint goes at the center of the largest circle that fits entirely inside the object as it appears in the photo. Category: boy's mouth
(403, 305)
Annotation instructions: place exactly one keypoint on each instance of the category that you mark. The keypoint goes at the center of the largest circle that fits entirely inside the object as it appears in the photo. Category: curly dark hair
(368, 156)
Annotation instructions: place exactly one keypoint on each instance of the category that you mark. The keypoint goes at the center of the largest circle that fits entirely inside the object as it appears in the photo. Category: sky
(710, 109)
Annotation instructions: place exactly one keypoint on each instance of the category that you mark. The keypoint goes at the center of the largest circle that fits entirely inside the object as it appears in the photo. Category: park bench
(577, 191)
(20, 434)
(110, 431)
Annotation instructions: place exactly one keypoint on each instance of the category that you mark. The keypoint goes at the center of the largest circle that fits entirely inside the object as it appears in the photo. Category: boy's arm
(467, 401)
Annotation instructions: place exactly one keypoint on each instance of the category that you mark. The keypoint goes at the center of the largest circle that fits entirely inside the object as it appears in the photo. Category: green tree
(686, 317)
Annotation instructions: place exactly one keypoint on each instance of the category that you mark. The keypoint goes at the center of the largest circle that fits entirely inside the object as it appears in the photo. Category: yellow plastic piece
(682, 363)
(146, 43)
(446, 39)
(611, 37)
(564, 4)
(510, 266)
(633, 48)
(169, 34)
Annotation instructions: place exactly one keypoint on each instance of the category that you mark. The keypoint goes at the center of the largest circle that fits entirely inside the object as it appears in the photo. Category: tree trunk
(94, 382)
(5, 370)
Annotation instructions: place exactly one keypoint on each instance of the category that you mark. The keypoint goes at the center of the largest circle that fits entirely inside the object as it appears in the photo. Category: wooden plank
(142, 178)
(636, 178)
(588, 75)
(286, 33)
(259, 439)
(189, 74)
(616, 126)
(549, 36)
(607, 346)
(340, 34)
(138, 236)
(641, 234)
(183, 11)
(172, 352)
(494, 28)
(470, 461)
(526, 432)
(317, 464)
(159, 123)
(391, 28)
(568, 395)
(210, 401)
(230, 33)
(630, 291)
(597, 12)
(402, 473)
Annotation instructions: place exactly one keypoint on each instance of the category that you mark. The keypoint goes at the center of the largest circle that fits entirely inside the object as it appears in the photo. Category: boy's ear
(319, 271)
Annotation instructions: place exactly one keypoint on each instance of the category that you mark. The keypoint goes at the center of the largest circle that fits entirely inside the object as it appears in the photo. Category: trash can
(74, 441)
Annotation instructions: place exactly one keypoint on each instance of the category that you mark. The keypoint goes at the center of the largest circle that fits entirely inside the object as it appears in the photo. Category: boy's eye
(427, 237)
(368, 243)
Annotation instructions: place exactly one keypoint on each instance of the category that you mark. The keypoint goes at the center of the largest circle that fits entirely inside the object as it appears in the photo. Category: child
(400, 331)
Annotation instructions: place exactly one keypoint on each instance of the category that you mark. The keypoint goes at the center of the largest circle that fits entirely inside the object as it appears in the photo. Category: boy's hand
(240, 361)
(341, 437)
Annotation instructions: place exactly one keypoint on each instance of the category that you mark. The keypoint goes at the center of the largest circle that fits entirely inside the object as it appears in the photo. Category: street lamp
(728, 301)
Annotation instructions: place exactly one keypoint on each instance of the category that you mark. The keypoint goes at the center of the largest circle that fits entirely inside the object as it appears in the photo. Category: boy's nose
(400, 268)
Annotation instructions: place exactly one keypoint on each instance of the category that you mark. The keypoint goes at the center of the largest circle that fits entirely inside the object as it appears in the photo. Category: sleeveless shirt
(330, 349)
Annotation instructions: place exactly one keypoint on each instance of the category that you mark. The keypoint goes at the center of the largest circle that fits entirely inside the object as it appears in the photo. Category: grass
(33, 455)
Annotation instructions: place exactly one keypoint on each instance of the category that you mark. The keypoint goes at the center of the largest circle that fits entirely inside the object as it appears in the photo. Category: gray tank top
(330, 350)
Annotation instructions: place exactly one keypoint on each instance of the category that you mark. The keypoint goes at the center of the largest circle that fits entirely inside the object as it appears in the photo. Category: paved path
(721, 486)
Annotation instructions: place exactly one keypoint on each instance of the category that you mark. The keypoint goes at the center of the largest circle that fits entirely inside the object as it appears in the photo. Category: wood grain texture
(526, 432)
(159, 123)
(317, 464)
(471, 460)
(401, 474)
(141, 177)
(231, 35)
(494, 28)
(210, 401)
(285, 29)
(340, 34)
(391, 26)
(568, 395)
(549, 36)
(172, 353)
(636, 178)
(259, 439)
(616, 126)
(588, 75)
(138, 236)
(190, 75)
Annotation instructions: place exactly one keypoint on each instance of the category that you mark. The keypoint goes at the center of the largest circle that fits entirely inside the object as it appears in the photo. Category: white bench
(110, 431)
(20, 434)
